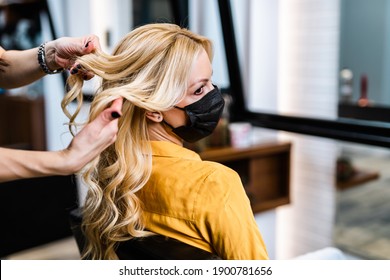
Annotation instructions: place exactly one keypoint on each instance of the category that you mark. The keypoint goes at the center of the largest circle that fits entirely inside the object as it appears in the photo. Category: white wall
(308, 67)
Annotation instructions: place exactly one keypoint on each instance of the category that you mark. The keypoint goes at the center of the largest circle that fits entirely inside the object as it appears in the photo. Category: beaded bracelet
(42, 62)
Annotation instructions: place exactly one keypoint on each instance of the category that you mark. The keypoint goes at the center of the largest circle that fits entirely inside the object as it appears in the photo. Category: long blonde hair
(150, 69)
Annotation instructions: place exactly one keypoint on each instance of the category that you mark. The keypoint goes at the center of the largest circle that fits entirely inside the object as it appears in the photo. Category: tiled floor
(65, 249)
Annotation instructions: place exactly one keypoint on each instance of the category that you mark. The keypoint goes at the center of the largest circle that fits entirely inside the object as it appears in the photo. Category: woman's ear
(154, 116)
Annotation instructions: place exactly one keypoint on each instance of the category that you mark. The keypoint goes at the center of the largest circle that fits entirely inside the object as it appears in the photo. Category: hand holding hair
(63, 52)
(95, 136)
(88, 143)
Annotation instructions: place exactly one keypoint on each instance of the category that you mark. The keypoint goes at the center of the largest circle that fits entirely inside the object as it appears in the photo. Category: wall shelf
(369, 113)
(359, 177)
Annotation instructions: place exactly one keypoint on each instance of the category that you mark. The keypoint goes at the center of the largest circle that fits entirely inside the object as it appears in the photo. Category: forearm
(19, 164)
(23, 68)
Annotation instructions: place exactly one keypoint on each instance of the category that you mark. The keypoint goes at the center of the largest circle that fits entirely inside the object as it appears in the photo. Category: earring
(157, 115)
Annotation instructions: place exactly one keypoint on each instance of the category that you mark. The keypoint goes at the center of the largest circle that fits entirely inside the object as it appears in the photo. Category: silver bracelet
(42, 61)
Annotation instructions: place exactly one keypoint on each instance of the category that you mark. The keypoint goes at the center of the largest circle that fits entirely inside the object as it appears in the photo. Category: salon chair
(34, 212)
(156, 247)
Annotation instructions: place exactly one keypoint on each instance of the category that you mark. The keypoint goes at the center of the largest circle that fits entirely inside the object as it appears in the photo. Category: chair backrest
(156, 247)
(34, 212)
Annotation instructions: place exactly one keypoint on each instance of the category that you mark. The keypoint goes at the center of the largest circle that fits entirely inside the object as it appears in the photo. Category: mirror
(364, 61)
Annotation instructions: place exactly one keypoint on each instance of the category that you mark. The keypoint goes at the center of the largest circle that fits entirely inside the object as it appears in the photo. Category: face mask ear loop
(165, 122)
(179, 108)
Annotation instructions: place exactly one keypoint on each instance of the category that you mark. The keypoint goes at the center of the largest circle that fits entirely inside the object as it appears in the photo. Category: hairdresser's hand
(94, 137)
(63, 52)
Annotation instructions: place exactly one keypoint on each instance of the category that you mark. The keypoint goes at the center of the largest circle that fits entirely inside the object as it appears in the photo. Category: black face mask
(203, 116)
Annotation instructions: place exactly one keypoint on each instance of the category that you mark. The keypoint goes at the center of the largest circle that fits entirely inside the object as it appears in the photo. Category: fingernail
(115, 115)
(87, 44)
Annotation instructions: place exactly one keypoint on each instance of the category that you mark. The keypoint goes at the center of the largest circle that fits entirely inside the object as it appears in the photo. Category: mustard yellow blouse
(201, 203)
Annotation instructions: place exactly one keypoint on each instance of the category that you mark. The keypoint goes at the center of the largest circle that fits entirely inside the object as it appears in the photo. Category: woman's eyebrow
(199, 81)
(202, 79)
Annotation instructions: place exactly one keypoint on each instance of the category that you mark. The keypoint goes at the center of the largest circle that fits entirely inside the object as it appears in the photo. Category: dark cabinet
(22, 122)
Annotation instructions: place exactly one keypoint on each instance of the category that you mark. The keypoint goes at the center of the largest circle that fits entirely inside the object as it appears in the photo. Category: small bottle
(346, 85)
(363, 99)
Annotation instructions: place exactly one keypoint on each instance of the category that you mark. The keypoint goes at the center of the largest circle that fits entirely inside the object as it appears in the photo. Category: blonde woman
(147, 182)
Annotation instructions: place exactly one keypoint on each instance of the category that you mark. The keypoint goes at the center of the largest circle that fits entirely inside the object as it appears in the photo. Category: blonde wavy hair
(150, 69)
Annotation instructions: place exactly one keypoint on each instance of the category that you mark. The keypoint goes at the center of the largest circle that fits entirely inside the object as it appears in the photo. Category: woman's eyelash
(199, 90)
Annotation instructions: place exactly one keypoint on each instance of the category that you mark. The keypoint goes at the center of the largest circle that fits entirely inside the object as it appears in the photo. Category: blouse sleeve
(230, 224)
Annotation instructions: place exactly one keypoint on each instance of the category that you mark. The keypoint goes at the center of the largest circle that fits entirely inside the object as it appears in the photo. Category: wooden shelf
(371, 113)
(264, 170)
(358, 178)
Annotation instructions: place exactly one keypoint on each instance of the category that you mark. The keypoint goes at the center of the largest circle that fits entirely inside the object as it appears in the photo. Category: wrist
(73, 160)
(46, 59)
